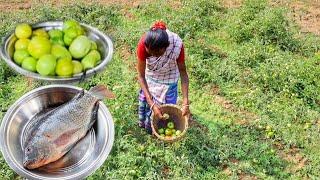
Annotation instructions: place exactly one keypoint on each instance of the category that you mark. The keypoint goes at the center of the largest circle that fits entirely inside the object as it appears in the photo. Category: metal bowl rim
(5, 56)
(94, 165)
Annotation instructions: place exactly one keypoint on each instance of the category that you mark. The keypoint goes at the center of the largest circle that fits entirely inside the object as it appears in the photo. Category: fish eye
(28, 150)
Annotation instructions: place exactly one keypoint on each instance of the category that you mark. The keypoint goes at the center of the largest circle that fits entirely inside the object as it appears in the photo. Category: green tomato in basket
(173, 131)
(168, 132)
(166, 116)
(162, 135)
(178, 132)
(170, 125)
(161, 131)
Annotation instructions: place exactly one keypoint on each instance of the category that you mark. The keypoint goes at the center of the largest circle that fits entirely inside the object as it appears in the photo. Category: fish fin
(68, 148)
(79, 95)
(94, 115)
(101, 92)
(65, 137)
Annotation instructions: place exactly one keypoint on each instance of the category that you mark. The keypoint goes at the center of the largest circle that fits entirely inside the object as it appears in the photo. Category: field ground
(254, 86)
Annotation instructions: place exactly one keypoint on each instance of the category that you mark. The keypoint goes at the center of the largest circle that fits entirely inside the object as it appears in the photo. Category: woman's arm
(141, 66)
(184, 87)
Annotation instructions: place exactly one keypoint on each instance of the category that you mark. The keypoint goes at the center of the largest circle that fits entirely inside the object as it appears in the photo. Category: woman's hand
(157, 112)
(185, 111)
(185, 88)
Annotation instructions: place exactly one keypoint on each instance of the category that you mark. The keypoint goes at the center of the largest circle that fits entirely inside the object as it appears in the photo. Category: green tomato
(170, 125)
(67, 40)
(39, 46)
(40, 33)
(70, 23)
(55, 33)
(161, 131)
(166, 116)
(307, 125)
(77, 67)
(20, 55)
(64, 67)
(168, 132)
(95, 54)
(29, 64)
(270, 134)
(80, 30)
(23, 31)
(178, 132)
(268, 128)
(46, 65)
(94, 45)
(80, 47)
(88, 62)
(317, 55)
(58, 41)
(60, 52)
(71, 32)
(272, 151)
(21, 44)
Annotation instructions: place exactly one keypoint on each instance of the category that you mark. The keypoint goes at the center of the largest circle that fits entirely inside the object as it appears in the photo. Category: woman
(160, 64)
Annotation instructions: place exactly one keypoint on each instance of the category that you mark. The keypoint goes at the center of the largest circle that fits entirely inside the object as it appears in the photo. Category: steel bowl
(104, 43)
(84, 158)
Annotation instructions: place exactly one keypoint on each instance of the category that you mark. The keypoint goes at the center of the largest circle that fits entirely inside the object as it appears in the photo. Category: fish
(57, 131)
(75, 156)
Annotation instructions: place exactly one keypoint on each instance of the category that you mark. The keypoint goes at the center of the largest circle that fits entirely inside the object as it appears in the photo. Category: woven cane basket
(175, 113)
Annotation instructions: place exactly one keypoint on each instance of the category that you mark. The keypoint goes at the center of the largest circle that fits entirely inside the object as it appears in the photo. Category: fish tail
(101, 92)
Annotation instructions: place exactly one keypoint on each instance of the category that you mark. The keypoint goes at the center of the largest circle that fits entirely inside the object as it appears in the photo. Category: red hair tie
(159, 25)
